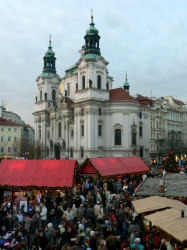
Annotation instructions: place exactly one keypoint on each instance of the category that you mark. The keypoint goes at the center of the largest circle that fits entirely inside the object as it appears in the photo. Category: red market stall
(24, 174)
(116, 166)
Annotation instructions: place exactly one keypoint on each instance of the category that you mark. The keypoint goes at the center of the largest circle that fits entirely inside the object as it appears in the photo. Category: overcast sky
(148, 38)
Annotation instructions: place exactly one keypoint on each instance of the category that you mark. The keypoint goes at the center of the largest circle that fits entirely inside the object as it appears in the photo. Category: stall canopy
(156, 203)
(171, 222)
(37, 173)
(115, 166)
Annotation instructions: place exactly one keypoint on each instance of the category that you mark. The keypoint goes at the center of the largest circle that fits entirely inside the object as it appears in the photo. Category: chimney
(182, 213)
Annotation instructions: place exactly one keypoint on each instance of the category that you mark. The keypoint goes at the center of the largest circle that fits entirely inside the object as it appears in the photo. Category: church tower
(126, 85)
(47, 91)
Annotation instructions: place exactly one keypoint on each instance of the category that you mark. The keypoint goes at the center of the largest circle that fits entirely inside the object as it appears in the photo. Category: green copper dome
(49, 52)
(92, 30)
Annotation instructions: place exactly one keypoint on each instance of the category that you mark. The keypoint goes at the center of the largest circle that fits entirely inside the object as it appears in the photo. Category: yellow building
(10, 139)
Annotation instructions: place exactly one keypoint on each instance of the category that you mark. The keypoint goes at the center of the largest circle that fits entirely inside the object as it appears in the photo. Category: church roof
(120, 94)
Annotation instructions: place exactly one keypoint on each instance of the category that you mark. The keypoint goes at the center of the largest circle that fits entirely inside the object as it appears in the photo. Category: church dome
(92, 29)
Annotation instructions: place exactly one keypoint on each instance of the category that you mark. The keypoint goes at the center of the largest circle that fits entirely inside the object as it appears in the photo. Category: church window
(59, 129)
(45, 96)
(68, 91)
(72, 133)
(48, 134)
(99, 130)
(82, 130)
(53, 94)
(99, 111)
(117, 136)
(83, 82)
(40, 95)
(141, 152)
(99, 82)
(134, 136)
(71, 152)
(82, 152)
(39, 132)
(140, 131)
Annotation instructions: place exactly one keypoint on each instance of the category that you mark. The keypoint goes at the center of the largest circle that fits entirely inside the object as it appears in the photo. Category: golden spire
(92, 14)
(49, 40)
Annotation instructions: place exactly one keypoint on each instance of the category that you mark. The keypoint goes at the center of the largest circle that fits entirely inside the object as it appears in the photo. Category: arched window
(59, 129)
(71, 152)
(83, 82)
(134, 136)
(99, 82)
(68, 90)
(45, 96)
(82, 152)
(99, 111)
(141, 152)
(53, 94)
(40, 95)
(117, 136)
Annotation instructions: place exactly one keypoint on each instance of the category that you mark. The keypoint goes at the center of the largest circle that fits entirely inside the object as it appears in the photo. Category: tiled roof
(120, 94)
(7, 123)
(144, 100)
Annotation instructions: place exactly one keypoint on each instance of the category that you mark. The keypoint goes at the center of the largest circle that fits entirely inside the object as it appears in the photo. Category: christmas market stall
(114, 166)
(168, 215)
(45, 175)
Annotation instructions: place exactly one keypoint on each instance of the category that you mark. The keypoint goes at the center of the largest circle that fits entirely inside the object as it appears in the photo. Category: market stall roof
(171, 222)
(37, 173)
(175, 186)
(114, 166)
(156, 203)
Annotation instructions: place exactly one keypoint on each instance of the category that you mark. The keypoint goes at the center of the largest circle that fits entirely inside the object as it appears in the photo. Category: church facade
(81, 116)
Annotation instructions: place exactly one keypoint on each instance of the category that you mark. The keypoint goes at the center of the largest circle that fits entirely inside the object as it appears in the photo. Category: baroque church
(81, 116)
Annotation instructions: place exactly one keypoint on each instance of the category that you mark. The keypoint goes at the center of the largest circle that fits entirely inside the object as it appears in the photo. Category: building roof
(120, 94)
(144, 100)
(7, 122)
(37, 173)
(175, 186)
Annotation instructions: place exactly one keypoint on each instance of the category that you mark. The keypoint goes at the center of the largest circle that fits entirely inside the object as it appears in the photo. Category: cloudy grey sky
(148, 38)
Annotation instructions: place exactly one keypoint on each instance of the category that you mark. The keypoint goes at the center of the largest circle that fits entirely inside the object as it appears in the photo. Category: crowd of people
(94, 215)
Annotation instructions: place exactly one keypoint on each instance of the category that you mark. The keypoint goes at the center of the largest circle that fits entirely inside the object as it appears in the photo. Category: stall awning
(171, 222)
(156, 203)
(115, 166)
(37, 173)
